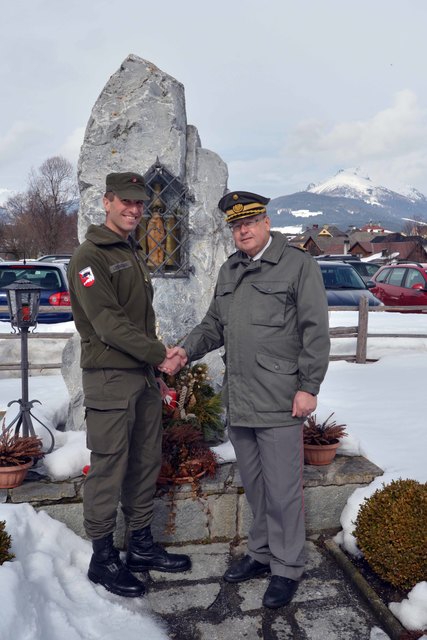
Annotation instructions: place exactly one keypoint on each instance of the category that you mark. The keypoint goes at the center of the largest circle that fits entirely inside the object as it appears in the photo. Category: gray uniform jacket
(271, 315)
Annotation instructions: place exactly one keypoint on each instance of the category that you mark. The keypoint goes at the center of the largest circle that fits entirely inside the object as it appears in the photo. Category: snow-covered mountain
(348, 199)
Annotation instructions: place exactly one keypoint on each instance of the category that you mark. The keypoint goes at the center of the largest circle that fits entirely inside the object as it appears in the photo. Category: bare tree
(18, 236)
(52, 189)
(44, 218)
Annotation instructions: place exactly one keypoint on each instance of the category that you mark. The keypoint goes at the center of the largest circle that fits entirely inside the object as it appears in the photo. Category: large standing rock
(139, 117)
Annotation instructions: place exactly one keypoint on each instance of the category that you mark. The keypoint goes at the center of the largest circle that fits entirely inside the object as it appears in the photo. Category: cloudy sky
(287, 92)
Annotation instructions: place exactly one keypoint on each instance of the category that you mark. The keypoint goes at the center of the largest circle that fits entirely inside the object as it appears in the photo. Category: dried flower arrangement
(17, 454)
(185, 454)
(195, 420)
(197, 402)
(16, 450)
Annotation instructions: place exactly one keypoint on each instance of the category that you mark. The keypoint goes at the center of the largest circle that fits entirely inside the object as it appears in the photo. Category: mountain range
(348, 200)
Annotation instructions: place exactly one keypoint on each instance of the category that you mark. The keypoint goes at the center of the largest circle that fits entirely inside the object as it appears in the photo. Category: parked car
(344, 286)
(401, 285)
(55, 257)
(62, 258)
(365, 269)
(52, 279)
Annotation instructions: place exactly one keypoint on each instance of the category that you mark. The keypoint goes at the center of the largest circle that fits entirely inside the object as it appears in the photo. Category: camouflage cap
(127, 186)
(242, 204)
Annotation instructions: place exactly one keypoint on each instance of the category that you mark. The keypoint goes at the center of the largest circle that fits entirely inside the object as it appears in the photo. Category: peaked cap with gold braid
(242, 204)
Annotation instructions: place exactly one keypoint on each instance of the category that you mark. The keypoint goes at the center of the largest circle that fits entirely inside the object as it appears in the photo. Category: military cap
(127, 186)
(242, 204)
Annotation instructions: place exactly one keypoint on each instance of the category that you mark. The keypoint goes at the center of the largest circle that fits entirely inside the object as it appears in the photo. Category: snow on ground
(45, 593)
(378, 402)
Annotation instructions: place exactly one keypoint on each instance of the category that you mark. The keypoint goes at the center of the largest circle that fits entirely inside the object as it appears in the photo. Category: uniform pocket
(276, 365)
(274, 383)
(269, 303)
(106, 401)
(107, 430)
(105, 389)
(223, 297)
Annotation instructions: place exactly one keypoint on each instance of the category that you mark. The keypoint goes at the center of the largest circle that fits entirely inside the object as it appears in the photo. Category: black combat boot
(107, 569)
(144, 554)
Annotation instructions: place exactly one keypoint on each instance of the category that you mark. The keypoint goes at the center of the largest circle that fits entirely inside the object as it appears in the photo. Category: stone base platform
(216, 510)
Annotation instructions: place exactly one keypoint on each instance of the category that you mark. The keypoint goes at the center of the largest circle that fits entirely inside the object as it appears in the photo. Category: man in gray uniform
(270, 313)
(111, 297)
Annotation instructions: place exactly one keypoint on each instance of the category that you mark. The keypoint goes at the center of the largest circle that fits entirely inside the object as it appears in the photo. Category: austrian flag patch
(86, 276)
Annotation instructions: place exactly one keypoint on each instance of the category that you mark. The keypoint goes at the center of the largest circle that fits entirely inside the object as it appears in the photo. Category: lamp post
(23, 298)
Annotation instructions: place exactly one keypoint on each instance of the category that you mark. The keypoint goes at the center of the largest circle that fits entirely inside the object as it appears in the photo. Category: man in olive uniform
(270, 313)
(111, 297)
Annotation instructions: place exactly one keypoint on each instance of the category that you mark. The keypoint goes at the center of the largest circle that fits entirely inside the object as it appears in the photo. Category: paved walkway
(199, 605)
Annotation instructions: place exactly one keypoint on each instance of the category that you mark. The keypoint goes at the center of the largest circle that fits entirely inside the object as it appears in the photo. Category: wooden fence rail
(360, 332)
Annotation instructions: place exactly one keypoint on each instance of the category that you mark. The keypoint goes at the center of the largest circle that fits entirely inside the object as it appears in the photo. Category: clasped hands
(176, 358)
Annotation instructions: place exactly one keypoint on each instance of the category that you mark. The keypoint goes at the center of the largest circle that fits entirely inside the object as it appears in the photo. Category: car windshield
(371, 268)
(337, 276)
(43, 277)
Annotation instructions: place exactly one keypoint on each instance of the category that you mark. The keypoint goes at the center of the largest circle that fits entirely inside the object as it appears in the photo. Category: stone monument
(139, 123)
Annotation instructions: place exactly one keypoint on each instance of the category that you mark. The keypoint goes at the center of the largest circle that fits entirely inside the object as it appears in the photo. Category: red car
(401, 285)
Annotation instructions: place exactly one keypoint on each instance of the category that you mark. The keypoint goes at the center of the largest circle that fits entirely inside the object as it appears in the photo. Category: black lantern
(23, 299)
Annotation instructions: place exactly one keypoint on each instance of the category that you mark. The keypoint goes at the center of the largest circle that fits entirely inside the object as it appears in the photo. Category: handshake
(176, 358)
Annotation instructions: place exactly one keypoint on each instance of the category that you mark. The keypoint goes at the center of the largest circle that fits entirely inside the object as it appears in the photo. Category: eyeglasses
(249, 224)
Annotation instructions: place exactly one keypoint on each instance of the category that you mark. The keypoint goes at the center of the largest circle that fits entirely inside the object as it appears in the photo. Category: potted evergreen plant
(321, 440)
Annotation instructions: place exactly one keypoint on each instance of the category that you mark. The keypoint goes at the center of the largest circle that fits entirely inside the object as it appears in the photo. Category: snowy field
(378, 402)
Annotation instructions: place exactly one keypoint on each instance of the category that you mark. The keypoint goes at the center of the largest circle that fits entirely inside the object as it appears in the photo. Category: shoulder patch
(86, 277)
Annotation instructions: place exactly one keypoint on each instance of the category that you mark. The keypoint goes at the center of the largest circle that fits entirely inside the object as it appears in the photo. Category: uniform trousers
(124, 435)
(270, 462)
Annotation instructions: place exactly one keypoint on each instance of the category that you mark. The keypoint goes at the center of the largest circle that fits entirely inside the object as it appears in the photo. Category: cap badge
(235, 196)
(134, 180)
(237, 208)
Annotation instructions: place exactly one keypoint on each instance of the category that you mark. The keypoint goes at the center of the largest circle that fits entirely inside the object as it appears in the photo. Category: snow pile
(45, 591)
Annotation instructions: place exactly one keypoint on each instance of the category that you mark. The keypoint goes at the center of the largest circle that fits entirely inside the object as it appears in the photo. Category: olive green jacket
(111, 298)
(271, 315)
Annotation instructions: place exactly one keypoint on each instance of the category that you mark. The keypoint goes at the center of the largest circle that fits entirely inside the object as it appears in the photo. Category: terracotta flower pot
(320, 454)
(11, 477)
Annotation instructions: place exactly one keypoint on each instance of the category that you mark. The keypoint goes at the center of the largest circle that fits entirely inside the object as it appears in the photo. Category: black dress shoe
(279, 592)
(244, 569)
